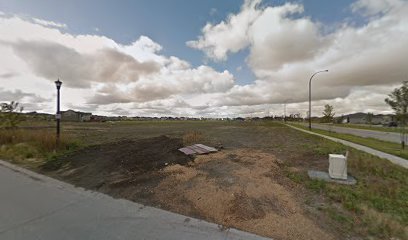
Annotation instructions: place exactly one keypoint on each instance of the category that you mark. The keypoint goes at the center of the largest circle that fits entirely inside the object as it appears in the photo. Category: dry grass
(43, 140)
(384, 225)
(244, 189)
(192, 137)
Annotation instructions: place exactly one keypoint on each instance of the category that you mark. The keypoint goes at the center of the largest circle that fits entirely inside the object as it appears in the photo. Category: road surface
(33, 206)
(384, 136)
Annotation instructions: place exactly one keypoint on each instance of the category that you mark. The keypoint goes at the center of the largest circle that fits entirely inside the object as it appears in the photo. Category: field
(257, 182)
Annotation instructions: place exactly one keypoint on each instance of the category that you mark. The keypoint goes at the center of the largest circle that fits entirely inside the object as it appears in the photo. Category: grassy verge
(384, 146)
(376, 207)
(368, 127)
(33, 147)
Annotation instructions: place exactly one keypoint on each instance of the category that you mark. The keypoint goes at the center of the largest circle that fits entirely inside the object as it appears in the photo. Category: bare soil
(115, 167)
(241, 187)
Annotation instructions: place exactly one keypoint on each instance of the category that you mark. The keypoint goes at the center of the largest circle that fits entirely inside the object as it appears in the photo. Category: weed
(192, 137)
(20, 144)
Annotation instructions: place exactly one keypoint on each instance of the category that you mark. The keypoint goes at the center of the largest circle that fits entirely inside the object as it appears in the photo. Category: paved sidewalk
(394, 159)
(33, 206)
(380, 135)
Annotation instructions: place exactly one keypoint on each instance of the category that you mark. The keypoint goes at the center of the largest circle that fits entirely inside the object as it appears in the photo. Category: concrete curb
(165, 220)
(394, 159)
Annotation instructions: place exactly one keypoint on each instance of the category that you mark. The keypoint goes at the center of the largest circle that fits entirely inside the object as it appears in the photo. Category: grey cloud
(52, 60)
(105, 99)
(143, 93)
(167, 84)
(120, 111)
(164, 104)
(82, 107)
(18, 95)
(7, 75)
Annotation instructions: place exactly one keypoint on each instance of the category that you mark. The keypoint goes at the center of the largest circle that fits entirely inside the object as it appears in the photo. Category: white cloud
(96, 70)
(228, 36)
(49, 23)
(365, 62)
(374, 7)
(286, 48)
(52, 60)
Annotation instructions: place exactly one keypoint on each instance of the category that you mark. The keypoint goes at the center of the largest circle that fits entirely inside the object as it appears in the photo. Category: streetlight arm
(310, 97)
(310, 81)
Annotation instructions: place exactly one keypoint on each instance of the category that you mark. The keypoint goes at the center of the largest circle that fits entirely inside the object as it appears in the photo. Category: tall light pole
(310, 97)
(284, 109)
(58, 84)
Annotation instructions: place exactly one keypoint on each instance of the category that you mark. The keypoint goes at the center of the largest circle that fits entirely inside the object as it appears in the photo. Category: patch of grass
(383, 225)
(384, 146)
(316, 185)
(370, 127)
(329, 147)
(20, 144)
(379, 200)
(342, 218)
(294, 176)
(18, 151)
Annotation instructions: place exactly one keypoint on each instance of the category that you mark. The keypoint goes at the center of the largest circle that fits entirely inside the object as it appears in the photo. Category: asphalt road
(33, 206)
(385, 136)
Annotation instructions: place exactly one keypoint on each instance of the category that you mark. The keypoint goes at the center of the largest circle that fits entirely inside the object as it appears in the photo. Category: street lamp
(284, 109)
(58, 84)
(310, 97)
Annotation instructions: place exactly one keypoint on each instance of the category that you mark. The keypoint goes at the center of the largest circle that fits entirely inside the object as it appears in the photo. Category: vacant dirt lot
(242, 186)
(256, 182)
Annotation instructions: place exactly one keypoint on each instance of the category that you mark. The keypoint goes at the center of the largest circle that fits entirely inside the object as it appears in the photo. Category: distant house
(362, 118)
(357, 118)
(74, 116)
(97, 118)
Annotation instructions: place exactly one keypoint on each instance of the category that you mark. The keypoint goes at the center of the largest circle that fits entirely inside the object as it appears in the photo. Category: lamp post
(310, 98)
(58, 84)
(284, 109)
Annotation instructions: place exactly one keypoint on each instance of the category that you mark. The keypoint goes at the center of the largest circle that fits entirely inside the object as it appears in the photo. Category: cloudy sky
(202, 58)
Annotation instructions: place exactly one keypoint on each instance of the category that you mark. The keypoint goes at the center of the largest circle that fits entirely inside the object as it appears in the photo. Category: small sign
(57, 116)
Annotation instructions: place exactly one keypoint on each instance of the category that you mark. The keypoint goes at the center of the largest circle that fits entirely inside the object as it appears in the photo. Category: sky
(203, 58)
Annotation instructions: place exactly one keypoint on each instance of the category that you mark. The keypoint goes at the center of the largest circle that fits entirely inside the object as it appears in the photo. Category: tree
(398, 101)
(340, 119)
(10, 114)
(369, 118)
(328, 114)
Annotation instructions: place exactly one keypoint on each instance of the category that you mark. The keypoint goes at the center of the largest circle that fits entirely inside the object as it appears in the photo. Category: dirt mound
(120, 162)
(245, 189)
